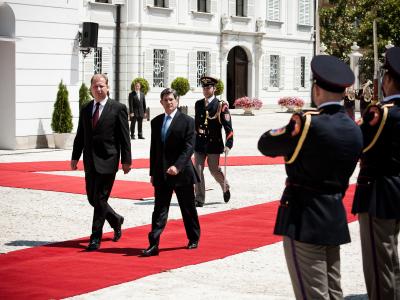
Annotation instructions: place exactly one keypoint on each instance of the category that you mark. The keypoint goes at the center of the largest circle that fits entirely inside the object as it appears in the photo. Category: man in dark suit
(321, 151)
(377, 196)
(103, 136)
(137, 110)
(172, 170)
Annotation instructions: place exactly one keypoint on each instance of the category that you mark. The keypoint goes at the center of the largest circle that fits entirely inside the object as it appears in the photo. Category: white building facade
(257, 48)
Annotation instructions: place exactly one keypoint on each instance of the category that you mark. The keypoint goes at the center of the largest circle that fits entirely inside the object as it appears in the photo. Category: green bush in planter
(61, 121)
(180, 85)
(143, 83)
(84, 95)
(219, 88)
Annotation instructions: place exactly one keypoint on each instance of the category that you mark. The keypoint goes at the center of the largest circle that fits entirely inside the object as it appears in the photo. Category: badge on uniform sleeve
(227, 117)
(278, 131)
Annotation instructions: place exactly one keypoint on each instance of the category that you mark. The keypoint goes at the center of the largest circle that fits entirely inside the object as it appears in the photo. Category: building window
(302, 71)
(98, 61)
(240, 8)
(159, 3)
(273, 10)
(304, 12)
(101, 1)
(159, 67)
(203, 61)
(274, 71)
(202, 6)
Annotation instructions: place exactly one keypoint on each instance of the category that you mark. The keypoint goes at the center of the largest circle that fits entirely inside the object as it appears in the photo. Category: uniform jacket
(137, 104)
(177, 151)
(311, 208)
(208, 130)
(378, 183)
(104, 145)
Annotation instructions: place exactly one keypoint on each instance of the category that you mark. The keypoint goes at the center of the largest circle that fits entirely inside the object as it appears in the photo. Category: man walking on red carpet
(102, 136)
(172, 170)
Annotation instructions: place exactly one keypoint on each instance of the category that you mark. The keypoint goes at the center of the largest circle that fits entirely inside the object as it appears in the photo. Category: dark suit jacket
(103, 145)
(137, 104)
(176, 151)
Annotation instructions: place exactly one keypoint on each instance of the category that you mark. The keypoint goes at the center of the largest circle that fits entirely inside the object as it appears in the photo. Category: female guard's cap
(331, 74)
(208, 80)
(392, 61)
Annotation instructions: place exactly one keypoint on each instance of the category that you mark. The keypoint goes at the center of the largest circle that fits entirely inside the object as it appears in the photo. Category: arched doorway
(236, 74)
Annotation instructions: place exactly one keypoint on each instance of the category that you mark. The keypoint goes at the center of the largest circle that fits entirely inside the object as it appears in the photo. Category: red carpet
(65, 269)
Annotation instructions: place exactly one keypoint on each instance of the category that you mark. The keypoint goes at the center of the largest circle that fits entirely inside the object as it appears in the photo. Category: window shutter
(107, 61)
(88, 68)
(307, 74)
(282, 72)
(148, 66)
(193, 5)
(250, 8)
(232, 8)
(297, 72)
(266, 70)
(170, 74)
(213, 6)
(192, 68)
(212, 68)
(172, 3)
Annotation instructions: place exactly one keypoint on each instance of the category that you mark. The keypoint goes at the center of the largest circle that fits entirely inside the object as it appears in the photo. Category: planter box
(63, 140)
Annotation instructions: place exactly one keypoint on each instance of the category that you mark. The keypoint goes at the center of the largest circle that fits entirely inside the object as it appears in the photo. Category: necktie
(164, 129)
(96, 115)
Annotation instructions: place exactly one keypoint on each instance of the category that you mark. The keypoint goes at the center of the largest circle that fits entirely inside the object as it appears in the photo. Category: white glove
(226, 150)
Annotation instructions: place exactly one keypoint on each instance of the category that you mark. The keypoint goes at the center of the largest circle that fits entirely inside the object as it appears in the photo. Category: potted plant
(61, 121)
(144, 85)
(219, 88)
(248, 104)
(84, 95)
(181, 86)
(292, 103)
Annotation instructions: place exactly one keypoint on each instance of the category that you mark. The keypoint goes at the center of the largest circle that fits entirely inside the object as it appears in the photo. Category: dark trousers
(185, 195)
(98, 189)
(139, 120)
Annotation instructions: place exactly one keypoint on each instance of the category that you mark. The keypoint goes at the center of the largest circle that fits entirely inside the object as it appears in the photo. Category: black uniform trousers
(139, 121)
(98, 189)
(185, 195)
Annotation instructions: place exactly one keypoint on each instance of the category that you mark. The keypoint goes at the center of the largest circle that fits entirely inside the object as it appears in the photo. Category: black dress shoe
(227, 196)
(118, 231)
(193, 244)
(132, 137)
(141, 137)
(199, 204)
(94, 244)
(151, 251)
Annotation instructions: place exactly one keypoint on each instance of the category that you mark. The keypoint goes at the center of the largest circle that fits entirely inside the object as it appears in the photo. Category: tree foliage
(144, 85)
(84, 95)
(180, 85)
(219, 88)
(349, 21)
(61, 121)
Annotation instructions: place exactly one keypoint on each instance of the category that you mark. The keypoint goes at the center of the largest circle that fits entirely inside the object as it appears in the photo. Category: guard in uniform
(321, 149)
(377, 196)
(211, 114)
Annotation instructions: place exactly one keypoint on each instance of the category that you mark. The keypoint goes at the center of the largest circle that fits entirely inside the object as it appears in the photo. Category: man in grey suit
(103, 137)
(137, 110)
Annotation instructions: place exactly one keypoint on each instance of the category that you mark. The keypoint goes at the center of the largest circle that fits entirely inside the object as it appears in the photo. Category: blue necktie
(164, 129)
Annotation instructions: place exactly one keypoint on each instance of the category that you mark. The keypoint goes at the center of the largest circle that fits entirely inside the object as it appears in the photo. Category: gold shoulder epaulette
(301, 139)
(385, 109)
(311, 112)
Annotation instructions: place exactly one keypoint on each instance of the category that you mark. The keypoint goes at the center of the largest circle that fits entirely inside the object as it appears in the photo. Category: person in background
(377, 196)
(211, 114)
(172, 170)
(137, 110)
(321, 150)
(103, 137)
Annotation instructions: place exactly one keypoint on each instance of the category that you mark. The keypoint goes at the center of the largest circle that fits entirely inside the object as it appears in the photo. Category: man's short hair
(99, 75)
(168, 91)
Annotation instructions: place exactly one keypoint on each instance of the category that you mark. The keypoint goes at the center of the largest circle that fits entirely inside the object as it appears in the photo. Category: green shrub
(219, 88)
(180, 85)
(84, 95)
(61, 121)
(143, 83)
